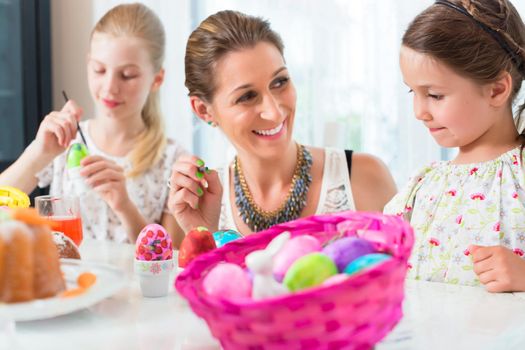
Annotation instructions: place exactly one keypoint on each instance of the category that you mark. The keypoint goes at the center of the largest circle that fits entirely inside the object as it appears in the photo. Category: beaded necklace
(259, 219)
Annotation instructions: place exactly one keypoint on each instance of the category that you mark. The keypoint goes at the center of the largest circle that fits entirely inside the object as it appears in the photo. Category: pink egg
(153, 244)
(228, 281)
(293, 250)
(335, 279)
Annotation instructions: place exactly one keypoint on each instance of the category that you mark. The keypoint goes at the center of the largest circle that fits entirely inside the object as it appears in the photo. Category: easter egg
(345, 250)
(309, 271)
(153, 244)
(227, 281)
(198, 241)
(365, 261)
(291, 251)
(336, 279)
(225, 236)
(76, 153)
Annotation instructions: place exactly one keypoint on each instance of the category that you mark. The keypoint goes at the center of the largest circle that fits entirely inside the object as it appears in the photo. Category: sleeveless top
(147, 191)
(335, 194)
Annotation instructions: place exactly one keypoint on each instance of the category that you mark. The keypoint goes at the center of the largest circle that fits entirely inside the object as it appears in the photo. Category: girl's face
(120, 75)
(254, 102)
(456, 110)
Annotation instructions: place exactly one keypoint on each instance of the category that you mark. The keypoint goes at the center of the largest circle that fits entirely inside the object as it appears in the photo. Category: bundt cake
(66, 247)
(29, 262)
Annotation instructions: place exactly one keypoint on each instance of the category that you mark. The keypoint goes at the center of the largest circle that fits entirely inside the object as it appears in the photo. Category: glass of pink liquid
(65, 214)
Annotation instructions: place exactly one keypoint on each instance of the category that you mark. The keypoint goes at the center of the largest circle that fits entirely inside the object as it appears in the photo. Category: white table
(437, 316)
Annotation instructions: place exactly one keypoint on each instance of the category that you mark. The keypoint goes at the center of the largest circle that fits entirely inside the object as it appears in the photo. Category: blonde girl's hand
(57, 130)
(498, 268)
(195, 195)
(108, 179)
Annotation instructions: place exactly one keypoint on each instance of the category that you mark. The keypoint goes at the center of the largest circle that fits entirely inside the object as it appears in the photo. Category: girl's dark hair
(216, 36)
(479, 44)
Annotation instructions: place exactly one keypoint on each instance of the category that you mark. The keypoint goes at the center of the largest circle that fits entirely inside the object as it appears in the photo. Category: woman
(238, 81)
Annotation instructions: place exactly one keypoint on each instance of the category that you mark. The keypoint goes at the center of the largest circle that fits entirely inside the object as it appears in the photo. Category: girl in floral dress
(464, 63)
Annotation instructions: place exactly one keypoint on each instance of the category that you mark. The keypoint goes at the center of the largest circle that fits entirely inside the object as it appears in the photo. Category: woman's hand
(195, 195)
(57, 130)
(499, 268)
(108, 180)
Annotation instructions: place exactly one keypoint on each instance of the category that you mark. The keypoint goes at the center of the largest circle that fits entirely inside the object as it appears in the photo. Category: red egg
(198, 241)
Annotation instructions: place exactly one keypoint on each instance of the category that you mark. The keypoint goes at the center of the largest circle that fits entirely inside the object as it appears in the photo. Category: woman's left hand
(107, 179)
(499, 268)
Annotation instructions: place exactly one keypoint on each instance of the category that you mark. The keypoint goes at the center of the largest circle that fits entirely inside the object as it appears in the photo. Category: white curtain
(343, 59)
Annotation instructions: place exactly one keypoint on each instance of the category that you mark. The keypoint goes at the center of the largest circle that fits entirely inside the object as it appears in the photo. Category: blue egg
(225, 236)
(365, 261)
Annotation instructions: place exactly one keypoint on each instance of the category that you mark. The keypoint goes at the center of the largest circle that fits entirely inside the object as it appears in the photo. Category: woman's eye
(98, 70)
(246, 97)
(410, 91)
(435, 97)
(279, 82)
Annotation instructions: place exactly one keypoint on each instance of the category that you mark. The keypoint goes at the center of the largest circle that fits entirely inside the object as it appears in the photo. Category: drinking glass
(65, 214)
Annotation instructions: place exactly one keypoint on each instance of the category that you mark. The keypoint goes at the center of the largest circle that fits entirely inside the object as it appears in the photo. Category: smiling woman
(238, 80)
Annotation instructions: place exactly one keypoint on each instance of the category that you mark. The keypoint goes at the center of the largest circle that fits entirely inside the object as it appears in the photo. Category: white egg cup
(154, 277)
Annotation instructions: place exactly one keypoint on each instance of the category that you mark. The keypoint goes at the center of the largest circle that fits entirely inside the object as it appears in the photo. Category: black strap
(348, 154)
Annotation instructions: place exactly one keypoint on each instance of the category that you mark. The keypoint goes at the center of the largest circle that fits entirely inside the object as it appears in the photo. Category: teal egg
(309, 271)
(365, 261)
(225, 236)
(77, 152)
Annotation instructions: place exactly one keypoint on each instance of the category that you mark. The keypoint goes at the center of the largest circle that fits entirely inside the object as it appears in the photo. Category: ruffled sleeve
(403, 202)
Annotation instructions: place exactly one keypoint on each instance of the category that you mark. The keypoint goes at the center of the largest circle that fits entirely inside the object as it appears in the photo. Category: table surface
(437, 316)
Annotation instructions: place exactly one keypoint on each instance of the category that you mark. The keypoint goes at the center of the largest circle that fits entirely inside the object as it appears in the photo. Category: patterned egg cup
(154, 277)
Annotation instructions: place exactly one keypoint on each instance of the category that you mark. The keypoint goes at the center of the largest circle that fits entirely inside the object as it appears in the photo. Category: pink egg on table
(291, 251)
(153, 244)
(228, 281)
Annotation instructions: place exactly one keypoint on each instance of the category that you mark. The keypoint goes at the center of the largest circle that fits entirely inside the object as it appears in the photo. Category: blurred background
(342, 56)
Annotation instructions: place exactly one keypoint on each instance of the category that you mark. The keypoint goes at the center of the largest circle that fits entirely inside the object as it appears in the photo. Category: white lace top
(452, 206)
(148, 191)
(335, 195)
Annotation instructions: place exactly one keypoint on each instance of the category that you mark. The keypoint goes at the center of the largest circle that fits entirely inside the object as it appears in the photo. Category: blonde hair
(137, 20)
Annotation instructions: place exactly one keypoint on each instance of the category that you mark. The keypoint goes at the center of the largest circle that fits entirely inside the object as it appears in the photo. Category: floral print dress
(147, 191)
(452, 206)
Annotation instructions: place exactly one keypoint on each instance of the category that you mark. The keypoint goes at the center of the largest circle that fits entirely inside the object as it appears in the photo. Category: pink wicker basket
(354, 314)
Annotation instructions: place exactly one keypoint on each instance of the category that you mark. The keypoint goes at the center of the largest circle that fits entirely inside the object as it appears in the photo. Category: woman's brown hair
(478, 39)
(216, 36)
(138, 21)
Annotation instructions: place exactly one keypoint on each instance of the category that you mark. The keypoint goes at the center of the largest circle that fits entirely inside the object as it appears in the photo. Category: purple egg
(347, 249)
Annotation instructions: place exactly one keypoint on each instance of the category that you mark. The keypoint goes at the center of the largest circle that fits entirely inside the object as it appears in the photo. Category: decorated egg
(13, 197)
(196, 242)
(227, 281)
(225, 236)
(309, 271)
(365, 261)
(291, 251)
(345, 250)
(76, 153)
(153, 244)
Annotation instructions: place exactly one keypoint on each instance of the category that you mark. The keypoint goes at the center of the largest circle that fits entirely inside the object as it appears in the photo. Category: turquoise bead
(365, 261)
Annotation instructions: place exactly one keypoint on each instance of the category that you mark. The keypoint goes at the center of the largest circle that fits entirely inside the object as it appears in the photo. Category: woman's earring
(212, 124)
